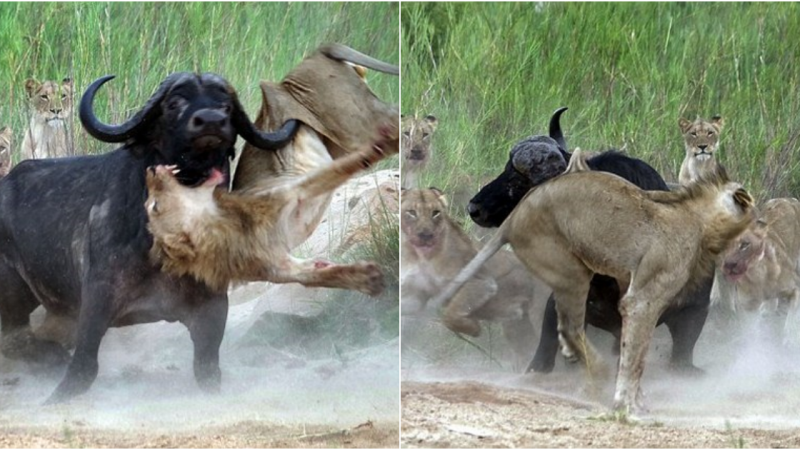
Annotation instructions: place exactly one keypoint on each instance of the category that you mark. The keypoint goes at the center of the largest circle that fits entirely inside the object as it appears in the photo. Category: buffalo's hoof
(540, 366)
(687, 370)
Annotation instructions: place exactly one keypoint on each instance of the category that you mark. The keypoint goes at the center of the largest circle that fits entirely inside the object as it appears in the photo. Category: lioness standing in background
(48, 134)
(416, 148)
(701, 139)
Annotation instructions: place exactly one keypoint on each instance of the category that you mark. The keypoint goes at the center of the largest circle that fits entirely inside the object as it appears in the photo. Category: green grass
(141, 43)
(494, 73)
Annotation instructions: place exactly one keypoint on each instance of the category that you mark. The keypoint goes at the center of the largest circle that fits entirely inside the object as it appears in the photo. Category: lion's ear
(743, 199)
(432, 121)
(31, 86)
(684, 124)
(718, 122)
(67, 81)
(439, 195)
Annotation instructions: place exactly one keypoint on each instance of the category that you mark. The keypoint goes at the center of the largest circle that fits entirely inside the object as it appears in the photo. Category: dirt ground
(145, 396)
(749, 397)
(240, 435)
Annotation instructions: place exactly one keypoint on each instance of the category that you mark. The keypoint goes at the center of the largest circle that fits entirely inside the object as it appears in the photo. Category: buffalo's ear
(31, 86)
(684, 125)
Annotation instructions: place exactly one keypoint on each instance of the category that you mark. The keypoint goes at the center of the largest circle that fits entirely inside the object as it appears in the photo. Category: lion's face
(416, 140)
(171, 206)
(51, 101)
(5, 150)
(424, 223)
(701, 137)
(745, 250)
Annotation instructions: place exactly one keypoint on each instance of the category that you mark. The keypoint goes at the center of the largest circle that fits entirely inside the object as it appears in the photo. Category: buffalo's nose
(207, 119)
(473, 210)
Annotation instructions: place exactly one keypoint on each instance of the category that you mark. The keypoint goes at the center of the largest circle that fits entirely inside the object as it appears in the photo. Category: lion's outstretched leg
(364, 277)
(325, 180)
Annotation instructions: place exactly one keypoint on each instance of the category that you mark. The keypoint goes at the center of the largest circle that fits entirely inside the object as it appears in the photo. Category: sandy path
(750, 396)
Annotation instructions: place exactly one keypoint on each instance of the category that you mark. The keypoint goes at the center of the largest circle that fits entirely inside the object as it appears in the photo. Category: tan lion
(48, 135)
(435, 249)
(655, 243)
(218, 237)
(761, 268)
(5, 150)
(701, 140)
(416, 148)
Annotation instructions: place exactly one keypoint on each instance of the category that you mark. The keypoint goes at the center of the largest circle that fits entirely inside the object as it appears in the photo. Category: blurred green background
(493, 73)
(141, 43)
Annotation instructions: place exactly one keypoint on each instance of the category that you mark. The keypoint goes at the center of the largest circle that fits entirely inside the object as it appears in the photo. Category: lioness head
(424, 222)
(51, 101)
(748, 248)
(416, 140)
(5, 150)
(701, 137)
(171, 206)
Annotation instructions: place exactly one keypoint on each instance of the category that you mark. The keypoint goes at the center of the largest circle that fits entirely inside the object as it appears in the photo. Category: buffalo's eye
(227, 109)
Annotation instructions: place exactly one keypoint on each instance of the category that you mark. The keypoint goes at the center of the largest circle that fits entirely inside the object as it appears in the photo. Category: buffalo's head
(532, 161)
(191, 121)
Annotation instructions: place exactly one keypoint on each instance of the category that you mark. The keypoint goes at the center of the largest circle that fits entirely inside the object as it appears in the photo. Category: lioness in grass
(701, 140)
(416, 147)
(435, 249)
(48, 133)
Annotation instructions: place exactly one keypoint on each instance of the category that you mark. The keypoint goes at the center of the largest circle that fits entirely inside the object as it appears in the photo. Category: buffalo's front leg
(545, 357)
(93, 322)
(685, 326)
(206, 324)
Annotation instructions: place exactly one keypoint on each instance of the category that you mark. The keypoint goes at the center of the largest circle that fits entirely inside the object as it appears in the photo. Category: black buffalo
(540, 158)
(73, 231)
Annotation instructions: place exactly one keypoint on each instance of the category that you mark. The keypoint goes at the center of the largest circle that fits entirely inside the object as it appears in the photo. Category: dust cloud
(751, 378)
(146, 382)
